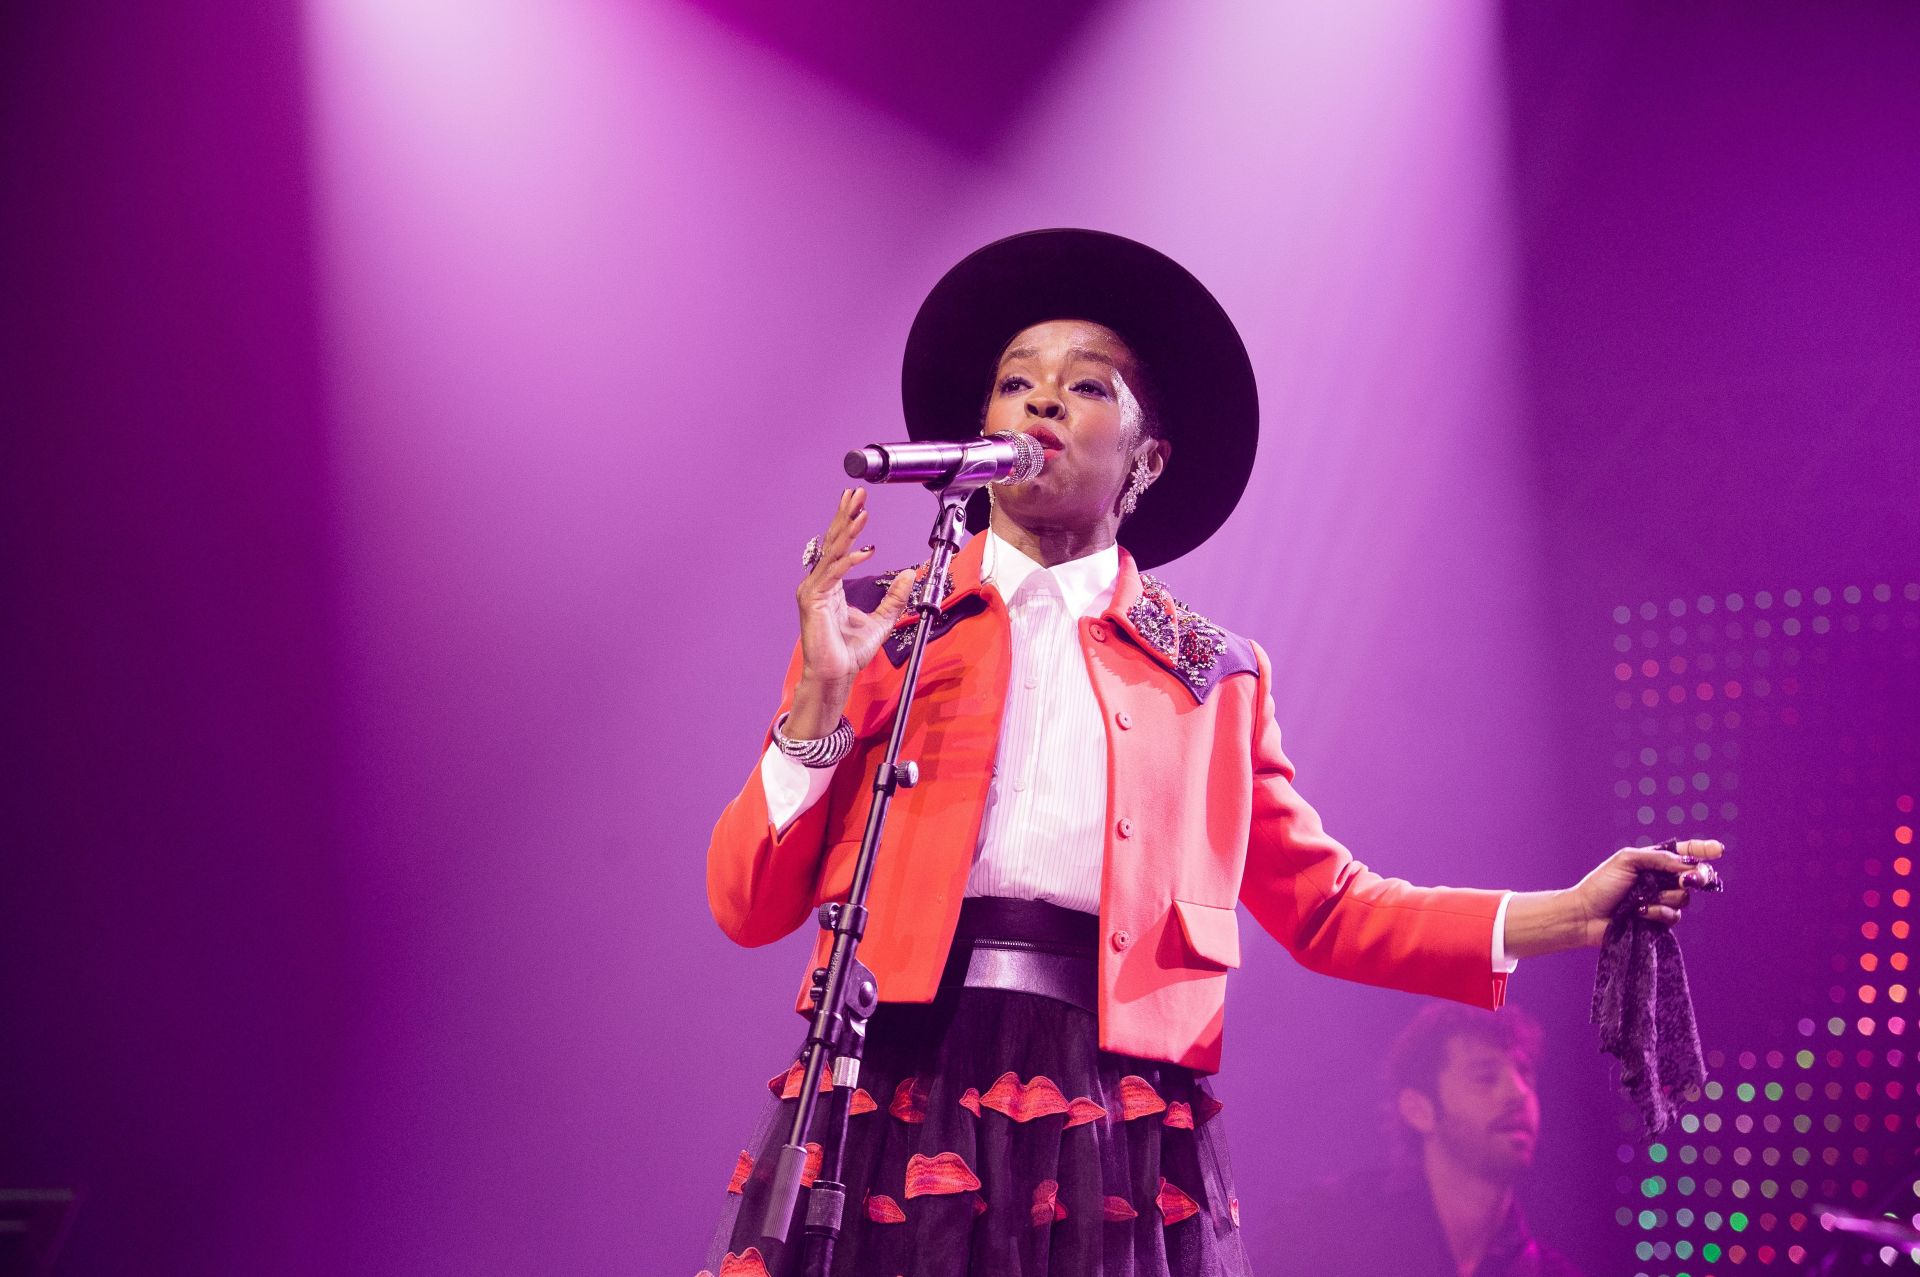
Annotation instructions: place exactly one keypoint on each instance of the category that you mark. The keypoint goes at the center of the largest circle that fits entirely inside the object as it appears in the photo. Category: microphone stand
(845, 993)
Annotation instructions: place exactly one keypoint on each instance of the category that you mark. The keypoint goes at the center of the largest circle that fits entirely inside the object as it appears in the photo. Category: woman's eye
(1009, 385)
(1090, 388)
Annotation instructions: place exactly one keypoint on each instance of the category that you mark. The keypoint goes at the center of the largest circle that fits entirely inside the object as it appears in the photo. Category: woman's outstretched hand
(1551, 921)
(1603, 890)
(836, 640)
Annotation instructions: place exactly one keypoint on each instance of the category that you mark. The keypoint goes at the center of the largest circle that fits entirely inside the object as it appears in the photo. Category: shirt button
(1098, 631)
(1124, 719)
(1031, 683)
(1121, 941)
(1020, 784)
(1123, 826)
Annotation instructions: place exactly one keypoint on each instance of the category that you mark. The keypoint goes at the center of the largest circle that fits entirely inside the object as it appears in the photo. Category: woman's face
(1064, 383)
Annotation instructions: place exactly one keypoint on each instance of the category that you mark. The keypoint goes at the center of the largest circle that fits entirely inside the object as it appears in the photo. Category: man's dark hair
(1418, 1054)
(1416, 1057)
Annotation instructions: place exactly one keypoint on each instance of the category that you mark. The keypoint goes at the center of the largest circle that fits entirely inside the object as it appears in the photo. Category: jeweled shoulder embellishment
(1192, 642)
(886, 579)
(901, 640)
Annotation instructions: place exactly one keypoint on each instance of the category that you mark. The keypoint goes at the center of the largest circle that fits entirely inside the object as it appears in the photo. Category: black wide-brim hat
(1198, 367)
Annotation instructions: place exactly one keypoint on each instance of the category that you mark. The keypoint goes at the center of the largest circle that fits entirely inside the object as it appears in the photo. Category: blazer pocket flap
(1212, 933)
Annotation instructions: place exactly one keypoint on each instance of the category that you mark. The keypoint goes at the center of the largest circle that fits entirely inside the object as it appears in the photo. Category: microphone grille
(1028, 456)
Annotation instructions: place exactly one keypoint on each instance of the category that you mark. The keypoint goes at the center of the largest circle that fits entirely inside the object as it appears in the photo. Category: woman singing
(1101, 783)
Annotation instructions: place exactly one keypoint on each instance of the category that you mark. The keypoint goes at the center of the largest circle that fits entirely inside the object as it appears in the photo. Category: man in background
(1466, 1119)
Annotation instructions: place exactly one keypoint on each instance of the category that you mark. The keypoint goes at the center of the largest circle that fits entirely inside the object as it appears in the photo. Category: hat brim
(1205, 392)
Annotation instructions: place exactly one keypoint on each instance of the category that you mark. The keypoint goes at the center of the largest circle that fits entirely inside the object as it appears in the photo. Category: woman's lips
(1046, 439)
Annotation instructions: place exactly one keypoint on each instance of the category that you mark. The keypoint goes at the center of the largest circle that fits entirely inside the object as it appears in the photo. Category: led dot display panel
(1787, 723)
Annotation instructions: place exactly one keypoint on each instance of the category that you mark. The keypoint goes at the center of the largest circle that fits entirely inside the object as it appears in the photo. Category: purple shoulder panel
(866, 592)
(1195, 650)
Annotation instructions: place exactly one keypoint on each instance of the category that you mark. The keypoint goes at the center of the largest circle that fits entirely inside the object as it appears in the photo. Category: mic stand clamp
(845, 993)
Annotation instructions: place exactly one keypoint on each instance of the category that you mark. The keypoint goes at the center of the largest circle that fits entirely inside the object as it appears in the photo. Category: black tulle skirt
(991, 1137)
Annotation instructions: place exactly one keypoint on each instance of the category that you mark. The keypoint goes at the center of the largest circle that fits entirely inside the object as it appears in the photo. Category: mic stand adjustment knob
(896, 776)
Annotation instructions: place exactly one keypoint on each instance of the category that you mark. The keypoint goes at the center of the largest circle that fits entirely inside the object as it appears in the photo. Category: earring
(1142, 480)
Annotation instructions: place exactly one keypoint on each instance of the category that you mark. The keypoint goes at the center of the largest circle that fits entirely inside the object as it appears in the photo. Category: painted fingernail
(1689, 860)
(866, 549)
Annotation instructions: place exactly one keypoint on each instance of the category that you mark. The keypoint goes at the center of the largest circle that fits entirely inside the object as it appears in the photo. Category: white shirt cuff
(792, 787)
(1501, 962)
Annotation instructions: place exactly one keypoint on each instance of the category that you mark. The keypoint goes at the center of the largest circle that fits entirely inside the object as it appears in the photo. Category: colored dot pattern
(1826, 1116)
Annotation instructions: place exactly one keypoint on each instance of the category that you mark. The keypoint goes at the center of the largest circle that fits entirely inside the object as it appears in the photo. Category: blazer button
(1098, 631)
(1124, 827)
(1124, 719)
(1122, 941)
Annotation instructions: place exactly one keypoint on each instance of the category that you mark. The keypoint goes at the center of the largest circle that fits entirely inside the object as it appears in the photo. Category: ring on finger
(811, 555)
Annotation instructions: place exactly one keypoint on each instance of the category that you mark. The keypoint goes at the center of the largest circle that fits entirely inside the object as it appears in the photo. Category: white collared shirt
(1044, 833)
(1043, 836)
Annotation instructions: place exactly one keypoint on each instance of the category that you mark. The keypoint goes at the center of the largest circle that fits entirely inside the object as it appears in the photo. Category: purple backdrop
(387, 640)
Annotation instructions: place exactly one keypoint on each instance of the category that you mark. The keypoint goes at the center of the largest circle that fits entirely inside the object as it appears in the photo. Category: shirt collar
(1086, 583)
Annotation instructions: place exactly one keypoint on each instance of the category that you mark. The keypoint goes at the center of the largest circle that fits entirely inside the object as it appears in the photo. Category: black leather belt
(1028, 946)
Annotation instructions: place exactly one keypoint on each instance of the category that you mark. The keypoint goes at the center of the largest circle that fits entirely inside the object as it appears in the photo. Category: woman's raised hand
(837, 641)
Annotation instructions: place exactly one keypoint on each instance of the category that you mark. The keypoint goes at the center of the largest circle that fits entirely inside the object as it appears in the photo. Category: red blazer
(1201, 813)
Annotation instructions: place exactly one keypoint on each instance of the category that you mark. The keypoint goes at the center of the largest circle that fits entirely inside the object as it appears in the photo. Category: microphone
(1002, 458)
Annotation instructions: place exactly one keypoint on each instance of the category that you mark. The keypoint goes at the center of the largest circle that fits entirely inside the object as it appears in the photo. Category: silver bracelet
(825, 752)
